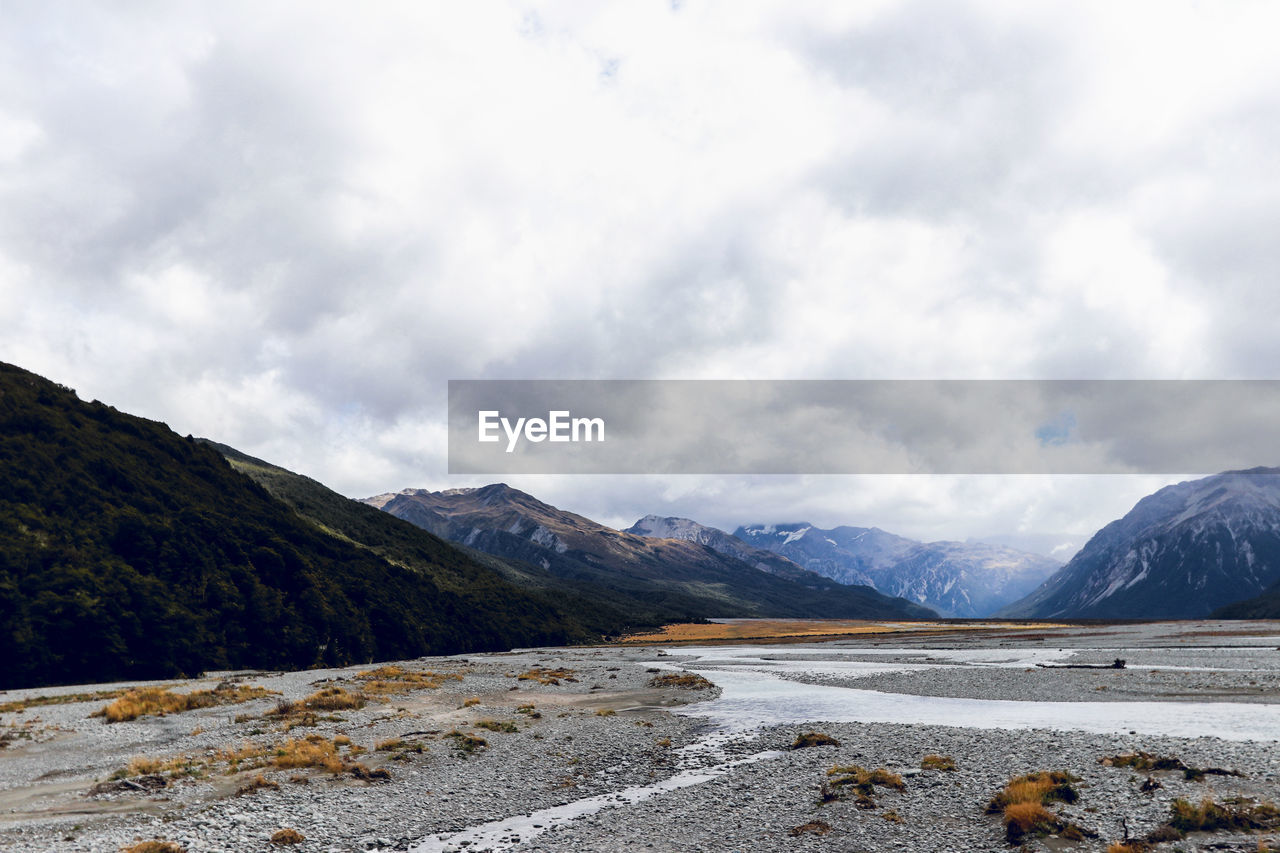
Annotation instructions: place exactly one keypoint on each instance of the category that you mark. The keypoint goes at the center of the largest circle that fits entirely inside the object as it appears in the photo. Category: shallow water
(756, 693)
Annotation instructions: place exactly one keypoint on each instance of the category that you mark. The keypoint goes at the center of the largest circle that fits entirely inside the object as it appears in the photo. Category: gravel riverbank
(409, 765)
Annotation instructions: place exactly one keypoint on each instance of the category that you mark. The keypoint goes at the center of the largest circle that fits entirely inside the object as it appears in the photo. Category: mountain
(1265, 606)
(127, 552)
(659, 527)
(676, 580)
(845, 554)
(958, 579)
(476, 577)
(1180, 553)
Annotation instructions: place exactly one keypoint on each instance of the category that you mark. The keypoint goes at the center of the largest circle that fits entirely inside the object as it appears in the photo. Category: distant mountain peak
(1180, 552)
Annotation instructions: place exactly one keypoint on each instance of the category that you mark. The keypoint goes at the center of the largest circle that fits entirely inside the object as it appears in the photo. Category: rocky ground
(600, 726)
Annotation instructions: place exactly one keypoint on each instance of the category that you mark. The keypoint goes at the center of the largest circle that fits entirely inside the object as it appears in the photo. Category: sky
(285, 226)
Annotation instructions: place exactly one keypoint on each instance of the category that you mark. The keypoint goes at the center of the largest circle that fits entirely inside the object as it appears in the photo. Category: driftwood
(1118, 664)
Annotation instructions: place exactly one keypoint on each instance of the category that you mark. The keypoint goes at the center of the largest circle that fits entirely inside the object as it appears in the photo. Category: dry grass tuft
(810, 739)
(359, 771)
(313, 751)
(1238, 815)
(845, 779)
(1042, 787)
(158, 701)
(466, 743)
(548, 676)
(1146, 761)
(335, 699)
(816, 827)
(257, 783)
(606, 712)
(1026, 818)
(155, 847)
(392, 679)
(287, 836)
(496, 726)
(1022, 806)
(943, 763)
(686, 680)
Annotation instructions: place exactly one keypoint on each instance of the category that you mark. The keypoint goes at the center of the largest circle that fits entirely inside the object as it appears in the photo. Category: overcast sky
(284, 226)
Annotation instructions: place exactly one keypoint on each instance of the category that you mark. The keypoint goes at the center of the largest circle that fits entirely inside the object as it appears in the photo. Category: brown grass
(1021, 805)
(761, 630)
(1147, 762)
(543, 675)
(685, 680)
(466, 743)
(944, 763)
(155, 847)
(392, 679)
(811, 739)
(158, 701)
(335, 699)
(496, 726)
(313, 751)
(257, 783)
(816, 827)
(1235, 815)
(287, 836)
(1025, 818)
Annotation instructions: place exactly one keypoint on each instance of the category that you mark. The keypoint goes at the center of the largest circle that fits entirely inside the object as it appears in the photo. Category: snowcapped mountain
(845, 554)
(659, 527)
(668, 578)
(959, 579)
(1180, 553)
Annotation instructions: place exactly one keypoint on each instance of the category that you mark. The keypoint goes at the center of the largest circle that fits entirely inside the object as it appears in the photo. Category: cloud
(286, 227)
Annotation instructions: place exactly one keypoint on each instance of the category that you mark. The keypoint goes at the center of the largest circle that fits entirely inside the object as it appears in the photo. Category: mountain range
(683, 579)
(1180, 553)
(128, 551)
(958, 579)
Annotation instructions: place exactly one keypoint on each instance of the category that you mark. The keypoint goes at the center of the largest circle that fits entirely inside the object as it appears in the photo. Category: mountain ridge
(1183, 551)
(683, 579)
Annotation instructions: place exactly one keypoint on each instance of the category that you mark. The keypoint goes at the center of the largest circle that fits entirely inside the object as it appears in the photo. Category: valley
(680, 747)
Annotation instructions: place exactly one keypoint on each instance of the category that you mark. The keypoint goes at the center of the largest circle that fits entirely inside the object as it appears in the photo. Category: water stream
(760, 687)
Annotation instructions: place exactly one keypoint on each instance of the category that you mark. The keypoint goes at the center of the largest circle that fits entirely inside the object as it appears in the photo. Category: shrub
(466, 743)
(1022, 806)
(1027, 818)
(686, 680)
(548, 676)
(809, 739)
(817, 827)
(335, 699)
(393, 679)
(1209, 816)
(359, 771)
(943, 763)
(496, 726)
(258, 783)
(313, 751)
(287, 836)
(158, 701)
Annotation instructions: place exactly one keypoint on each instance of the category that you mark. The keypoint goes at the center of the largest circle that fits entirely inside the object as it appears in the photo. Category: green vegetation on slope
(129, 552)
(452, 567)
